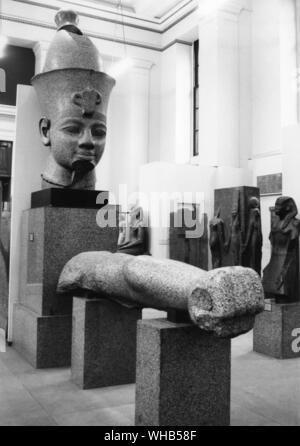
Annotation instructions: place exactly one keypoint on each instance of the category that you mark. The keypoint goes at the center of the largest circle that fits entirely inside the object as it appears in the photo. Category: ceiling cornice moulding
(155, 25)
(25, 21)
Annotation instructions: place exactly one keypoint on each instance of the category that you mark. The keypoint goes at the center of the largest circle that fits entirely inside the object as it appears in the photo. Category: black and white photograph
(150, 216)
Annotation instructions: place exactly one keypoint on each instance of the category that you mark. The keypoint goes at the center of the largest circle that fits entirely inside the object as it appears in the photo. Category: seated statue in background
(281, 276)
(133, 236)
(223, 301)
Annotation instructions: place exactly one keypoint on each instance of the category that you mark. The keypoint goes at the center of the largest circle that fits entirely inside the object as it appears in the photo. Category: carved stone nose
(87, 140)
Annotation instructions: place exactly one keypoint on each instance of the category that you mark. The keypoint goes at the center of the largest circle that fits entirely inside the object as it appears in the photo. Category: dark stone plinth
(179, 317)
(183, 247)
(103, 343)
(44, 341)
(69, 198)
(50, 237)
(183, 376)
(277, 331)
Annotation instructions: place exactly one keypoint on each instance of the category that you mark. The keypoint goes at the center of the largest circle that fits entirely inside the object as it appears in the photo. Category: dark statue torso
(281, 276)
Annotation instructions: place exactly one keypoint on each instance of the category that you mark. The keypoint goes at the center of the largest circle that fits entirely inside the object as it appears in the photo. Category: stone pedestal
(45, 341)
(183, 248)
(52, 234)
(103, 343)
(183, 376)
(277, 331)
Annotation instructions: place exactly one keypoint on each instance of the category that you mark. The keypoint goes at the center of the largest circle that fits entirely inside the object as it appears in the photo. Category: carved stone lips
(88, 155)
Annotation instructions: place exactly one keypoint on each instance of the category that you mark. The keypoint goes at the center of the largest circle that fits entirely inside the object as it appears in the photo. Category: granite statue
(133, 238)
(252, 247)
(223, 301)
(217, 240)
(235, 237)
(281, 276)
(241, 235)
(73, 92)
(188, 235)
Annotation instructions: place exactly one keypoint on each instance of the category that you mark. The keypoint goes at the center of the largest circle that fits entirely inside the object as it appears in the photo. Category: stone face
(103, 343)
(73, 92)
(222, 301)
(277, 331)
(183, 376)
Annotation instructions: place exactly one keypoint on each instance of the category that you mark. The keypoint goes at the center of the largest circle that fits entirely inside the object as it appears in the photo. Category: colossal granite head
(73, 92)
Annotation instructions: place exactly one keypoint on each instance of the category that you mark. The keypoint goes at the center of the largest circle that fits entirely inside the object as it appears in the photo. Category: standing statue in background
(252, 248)
(133, 238)
(73, 92)
(281, 276)
(235, 238)
(217, 240)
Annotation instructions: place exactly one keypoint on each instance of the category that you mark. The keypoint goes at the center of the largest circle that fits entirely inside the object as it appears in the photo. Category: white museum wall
(29, 158)
(291, 162)
(176, 98)
(274, 98)
(7, 122)
(266, 86)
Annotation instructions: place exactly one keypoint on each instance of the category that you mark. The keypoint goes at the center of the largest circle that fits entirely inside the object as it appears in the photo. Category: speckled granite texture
(183, 376)
(223, 301)
(50, 237)
(44, 341)
(276, 331)
(103, 343)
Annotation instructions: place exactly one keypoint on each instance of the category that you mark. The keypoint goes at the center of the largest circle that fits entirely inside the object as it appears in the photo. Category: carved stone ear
(44, 126)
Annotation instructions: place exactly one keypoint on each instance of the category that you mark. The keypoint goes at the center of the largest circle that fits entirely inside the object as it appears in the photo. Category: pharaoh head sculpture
(73, 92)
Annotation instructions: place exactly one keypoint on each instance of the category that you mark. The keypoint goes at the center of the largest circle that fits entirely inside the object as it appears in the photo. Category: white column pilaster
(219, 86)
(139, 124)
(128, 130)
(176, 100)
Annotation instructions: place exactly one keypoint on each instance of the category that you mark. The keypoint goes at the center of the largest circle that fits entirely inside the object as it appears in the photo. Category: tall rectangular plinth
(277, 331)
(103, 343)
(183, 376)
(52, 234)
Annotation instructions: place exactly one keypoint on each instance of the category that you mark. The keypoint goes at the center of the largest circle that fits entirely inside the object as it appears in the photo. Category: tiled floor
(265, 392)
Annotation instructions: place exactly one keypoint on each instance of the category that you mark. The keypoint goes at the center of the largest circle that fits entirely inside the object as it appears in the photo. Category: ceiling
(148, 8)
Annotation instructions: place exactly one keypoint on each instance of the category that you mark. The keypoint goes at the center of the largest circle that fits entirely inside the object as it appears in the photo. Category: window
(196, 98)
